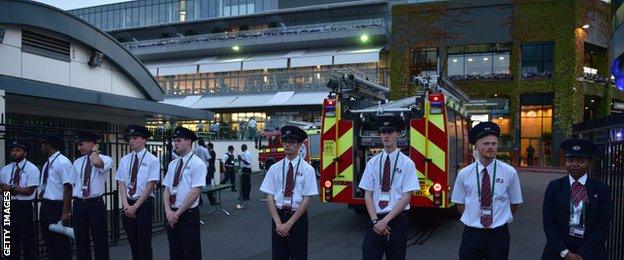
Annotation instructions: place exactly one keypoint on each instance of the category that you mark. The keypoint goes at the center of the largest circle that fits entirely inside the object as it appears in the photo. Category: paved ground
(336, 232)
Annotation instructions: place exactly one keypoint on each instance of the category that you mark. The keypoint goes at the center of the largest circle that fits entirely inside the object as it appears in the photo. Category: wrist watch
(374, 221)
(564, 253)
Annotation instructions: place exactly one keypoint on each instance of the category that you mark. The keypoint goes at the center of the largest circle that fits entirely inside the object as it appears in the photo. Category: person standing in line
(289, 185)
(487, 193)
(577, 209)
(136, 177)
(185, 178)
(20, 178)
(91, 171)
(55, 192)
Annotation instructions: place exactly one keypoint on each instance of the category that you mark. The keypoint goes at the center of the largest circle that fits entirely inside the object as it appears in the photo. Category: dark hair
(210, 145)
(231, 147)
(201, 142)
(244, 147)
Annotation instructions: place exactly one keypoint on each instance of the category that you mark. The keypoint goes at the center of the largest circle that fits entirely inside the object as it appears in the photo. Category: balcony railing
(260, 33)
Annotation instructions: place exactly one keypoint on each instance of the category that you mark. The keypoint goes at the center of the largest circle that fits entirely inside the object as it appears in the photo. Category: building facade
(533, 67)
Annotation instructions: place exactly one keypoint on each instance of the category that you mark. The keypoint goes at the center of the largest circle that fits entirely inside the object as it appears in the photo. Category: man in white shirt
(487, 193)
(89, 211)
(20, 178)
(227, 163)
(289, 185)
(388, 180)
(202, 153)
(186, 176)
(245, 159)
(55, 192)
(136, 177)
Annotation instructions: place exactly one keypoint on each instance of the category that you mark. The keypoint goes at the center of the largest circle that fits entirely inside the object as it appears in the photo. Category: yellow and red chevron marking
(328, 144)
(344, 167)
(428, 139)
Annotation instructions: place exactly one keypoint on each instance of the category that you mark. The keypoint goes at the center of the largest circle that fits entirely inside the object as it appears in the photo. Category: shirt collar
(392, 154)
(582, 180)
(294, 161)
(54, 155)
(490, 167)
(22, 163)
(187, 156)
(140, 152)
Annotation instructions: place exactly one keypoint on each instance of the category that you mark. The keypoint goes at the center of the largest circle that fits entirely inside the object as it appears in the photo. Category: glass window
(478, 64)
(500, 63)
(537, 60)
(455, 65)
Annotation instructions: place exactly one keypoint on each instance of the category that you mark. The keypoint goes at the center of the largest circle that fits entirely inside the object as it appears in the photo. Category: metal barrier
(112, 143)
(609, 168)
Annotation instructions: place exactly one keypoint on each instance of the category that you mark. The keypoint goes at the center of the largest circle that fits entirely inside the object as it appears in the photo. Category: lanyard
(294, 173)
(393, 170)
(51, 162)
(13, 170)
(478, 178)
(582, 223)
(140, 162)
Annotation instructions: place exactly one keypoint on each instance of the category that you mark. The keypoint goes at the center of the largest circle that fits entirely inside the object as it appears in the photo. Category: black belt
(469, 228)
(51, 201)
(89, 199)
(188, 210)
(288, 212)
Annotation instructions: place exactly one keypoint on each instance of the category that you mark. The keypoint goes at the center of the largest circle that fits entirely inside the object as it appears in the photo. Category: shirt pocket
(500, 189)
(397, 182)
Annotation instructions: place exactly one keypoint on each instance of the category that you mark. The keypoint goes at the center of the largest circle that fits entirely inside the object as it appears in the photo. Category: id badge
(486, 212)
(287, 201)
(131, 185)
(384, 196)
(174, 191)
(85, 187)
(577, 231)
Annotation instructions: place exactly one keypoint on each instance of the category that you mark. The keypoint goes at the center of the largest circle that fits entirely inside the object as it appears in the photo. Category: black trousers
(295, 245)
(231, 176)
(478, 243)
(57, 245)
(393, 246)
(184, 238)
(209, 178)
(246, 182)
(21, 230)
(89, 217)
(139, 230)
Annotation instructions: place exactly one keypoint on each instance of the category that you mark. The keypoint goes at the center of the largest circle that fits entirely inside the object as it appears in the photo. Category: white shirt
(193, 175)
(246, 156)
(29, 177)
(252, 123)
(202, 153)
(506, 191)
(305, 181)
(98, 176)
(577, 210)
(149, 170)
(60, 172)
(405, 178)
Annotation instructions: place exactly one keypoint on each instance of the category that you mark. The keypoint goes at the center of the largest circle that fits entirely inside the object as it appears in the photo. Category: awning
(313, 58)
(351, 56)
(257, 100)
(221, 65)
(280, 98)
(266, 61)
(210, 102)
(306, 98)
(174, 67)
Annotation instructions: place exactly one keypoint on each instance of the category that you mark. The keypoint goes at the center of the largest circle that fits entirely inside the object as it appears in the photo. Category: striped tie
(579, 193)
(385, 186)
(486, 199)
(290, 185)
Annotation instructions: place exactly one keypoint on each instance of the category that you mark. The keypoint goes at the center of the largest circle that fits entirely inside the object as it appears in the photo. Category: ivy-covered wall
(532, 21)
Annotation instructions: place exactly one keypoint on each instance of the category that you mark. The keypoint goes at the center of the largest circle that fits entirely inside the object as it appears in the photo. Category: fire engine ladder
(351, 84)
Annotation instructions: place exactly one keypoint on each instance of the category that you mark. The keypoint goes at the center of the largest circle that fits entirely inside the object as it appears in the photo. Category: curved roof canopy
(29, 13)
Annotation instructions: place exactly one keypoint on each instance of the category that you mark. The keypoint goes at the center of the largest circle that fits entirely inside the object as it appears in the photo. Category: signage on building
(618, 105)
(489, 103)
